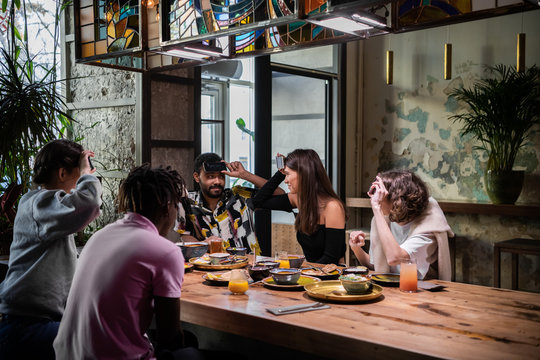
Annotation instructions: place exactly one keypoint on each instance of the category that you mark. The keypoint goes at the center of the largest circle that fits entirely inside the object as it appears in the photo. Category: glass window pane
(321, 58)
(241, 127)
(298, 120)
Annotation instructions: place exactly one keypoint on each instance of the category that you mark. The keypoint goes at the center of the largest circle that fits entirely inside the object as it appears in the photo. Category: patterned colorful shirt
(232, 220)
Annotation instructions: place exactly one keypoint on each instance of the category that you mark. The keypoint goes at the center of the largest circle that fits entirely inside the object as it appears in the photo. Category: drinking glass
(238, 283)
(408, 278)
(216, 246)
(283, 259)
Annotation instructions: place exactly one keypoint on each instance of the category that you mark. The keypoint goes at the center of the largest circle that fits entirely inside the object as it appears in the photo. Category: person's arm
(393, 252)
(265, 198)
(357, 240)
(60, 213)
(169, 331)
(236, 169)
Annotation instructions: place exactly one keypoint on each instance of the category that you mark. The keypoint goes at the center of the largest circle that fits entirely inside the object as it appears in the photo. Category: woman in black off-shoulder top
(320, 223)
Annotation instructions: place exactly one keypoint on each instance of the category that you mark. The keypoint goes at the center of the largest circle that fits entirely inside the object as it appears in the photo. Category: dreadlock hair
(149, 191)
(56, 154)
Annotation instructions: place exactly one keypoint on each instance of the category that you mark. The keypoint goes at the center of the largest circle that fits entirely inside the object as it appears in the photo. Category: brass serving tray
(333, 290)
(241, 262)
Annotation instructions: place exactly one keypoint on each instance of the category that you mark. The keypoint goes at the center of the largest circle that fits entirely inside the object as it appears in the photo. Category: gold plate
(302, 281)
(242, 262)
(333, 290)
(188, 267)
(331, 276)
(386, 279)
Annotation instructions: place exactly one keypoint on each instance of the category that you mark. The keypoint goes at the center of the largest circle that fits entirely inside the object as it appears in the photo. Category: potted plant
(502, 110)
(31, 113)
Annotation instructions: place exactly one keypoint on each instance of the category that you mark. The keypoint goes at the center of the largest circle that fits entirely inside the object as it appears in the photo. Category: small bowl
(356, 284)
(237, 251)
(296, 261)
(268, 264)
(258, 272)
(285, 276)
(193, 249)
(216, 258)
(359, 270)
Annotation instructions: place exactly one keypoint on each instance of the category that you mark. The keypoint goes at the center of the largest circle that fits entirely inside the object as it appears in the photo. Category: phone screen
(280, 162)
(217, 166)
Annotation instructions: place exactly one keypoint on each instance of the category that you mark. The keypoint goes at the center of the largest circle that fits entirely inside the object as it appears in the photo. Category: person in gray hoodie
(43, 253)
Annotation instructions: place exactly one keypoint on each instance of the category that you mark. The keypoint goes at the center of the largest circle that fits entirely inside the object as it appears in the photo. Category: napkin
(284, 310)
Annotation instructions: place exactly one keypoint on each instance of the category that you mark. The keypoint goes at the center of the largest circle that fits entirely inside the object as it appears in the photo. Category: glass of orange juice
(283, 259)
(238, 283)
(408, 277)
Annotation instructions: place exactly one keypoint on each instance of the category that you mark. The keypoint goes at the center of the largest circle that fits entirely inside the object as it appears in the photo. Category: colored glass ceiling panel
(215, 15)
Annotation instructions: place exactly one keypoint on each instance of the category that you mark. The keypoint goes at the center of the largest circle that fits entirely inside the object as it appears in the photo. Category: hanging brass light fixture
(389, 67)
(520, 61)
(447, 61)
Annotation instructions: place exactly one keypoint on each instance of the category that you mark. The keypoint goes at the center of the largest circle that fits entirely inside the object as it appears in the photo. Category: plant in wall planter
(502, 111)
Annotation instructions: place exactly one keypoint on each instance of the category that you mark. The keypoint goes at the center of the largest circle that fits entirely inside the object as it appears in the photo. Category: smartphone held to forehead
(217, 166)
(280, 162)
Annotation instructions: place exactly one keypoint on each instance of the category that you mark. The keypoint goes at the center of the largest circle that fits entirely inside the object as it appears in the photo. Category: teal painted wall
(406, 125)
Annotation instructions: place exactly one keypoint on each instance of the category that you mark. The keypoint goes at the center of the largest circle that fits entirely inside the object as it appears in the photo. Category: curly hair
(407, 193)
(149, 191)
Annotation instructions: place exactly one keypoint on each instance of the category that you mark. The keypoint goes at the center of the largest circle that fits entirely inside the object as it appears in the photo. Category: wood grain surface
(462, 321)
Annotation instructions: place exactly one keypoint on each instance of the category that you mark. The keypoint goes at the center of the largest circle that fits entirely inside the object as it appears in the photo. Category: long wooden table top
(462, 321)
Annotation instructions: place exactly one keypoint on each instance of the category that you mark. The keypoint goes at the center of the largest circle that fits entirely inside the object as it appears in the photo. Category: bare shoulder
(334, 205)
(334, 214)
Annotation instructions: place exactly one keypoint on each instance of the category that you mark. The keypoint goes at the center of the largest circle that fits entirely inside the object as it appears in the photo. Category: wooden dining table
(462, 321)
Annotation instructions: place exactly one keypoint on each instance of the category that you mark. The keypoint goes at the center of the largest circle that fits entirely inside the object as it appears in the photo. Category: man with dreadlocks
(127, 272)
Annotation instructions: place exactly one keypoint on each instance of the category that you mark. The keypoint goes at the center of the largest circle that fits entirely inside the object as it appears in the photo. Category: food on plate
(219, 277)
(355, 277)
(329, 268)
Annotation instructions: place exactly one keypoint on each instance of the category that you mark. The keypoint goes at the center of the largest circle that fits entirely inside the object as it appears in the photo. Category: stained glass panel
(197, 17)
(108, 26)
(295, 33)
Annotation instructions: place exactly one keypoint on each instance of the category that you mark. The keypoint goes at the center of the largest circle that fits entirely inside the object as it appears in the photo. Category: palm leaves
(31, 109)
(502, 111)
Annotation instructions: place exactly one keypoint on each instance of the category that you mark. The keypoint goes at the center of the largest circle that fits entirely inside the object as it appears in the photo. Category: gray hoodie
(43, 253)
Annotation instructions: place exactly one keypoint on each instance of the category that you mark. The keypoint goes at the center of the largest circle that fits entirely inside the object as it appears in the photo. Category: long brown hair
(408, 195)
(313, 185)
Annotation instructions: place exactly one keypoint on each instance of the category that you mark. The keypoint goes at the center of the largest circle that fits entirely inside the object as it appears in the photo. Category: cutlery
(299, 307)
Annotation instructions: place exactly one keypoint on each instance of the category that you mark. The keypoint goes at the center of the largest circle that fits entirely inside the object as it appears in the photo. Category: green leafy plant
(502, 110)
(31, 111)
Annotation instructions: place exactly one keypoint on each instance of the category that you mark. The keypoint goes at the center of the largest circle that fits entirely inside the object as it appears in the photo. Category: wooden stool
(515, 247)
